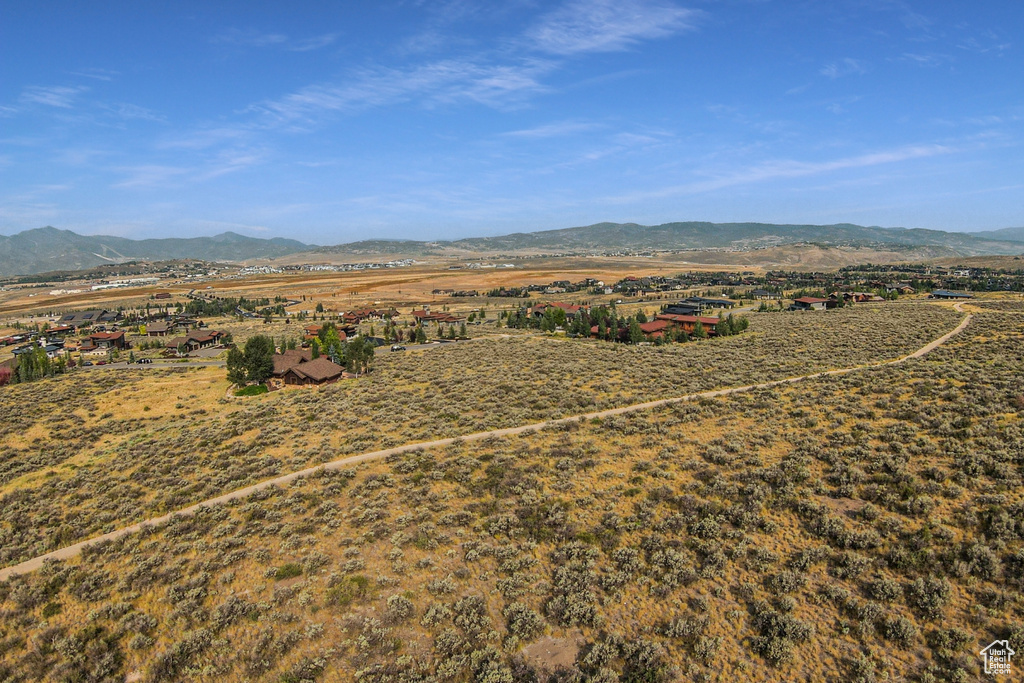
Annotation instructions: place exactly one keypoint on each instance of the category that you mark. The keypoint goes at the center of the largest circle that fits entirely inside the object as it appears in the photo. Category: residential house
(290, 358)
(314, 372)
(688, 323)
(195, 340)
(158, 328)
(809, 303)
(425, 316)
(570, 309)
(682, 309)
(83, 318)
(105, 340)
(947, 294)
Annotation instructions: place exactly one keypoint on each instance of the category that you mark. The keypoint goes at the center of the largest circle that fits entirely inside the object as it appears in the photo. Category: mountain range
(49, 249)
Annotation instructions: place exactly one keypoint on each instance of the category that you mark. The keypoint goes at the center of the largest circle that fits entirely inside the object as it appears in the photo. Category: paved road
(73, 550)
(156, 365)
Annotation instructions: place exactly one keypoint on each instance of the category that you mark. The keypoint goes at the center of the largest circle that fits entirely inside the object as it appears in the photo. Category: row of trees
(201, 307)
(33, 365)
(613, 327)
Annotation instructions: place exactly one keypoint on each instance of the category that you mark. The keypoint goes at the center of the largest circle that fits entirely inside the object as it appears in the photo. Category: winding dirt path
(73, 550)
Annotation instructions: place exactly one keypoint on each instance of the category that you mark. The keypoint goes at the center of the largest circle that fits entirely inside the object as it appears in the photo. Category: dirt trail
(73, 550)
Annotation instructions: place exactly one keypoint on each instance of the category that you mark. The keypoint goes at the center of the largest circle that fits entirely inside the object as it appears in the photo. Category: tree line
(611, 326)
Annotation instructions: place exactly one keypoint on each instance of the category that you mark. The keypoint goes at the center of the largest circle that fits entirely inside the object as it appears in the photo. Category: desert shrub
(929, 596)
(523, 622)
(886, 590)
(287, 571)
(779, 632)
(900, 630)
(785, 582)
(342, 591)
(399, 609)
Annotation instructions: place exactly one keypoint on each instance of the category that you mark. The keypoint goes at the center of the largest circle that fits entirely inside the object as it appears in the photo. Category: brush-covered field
(863, 527)
(91, 451)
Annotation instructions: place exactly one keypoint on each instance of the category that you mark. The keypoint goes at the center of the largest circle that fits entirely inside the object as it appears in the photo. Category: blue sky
(337, 121)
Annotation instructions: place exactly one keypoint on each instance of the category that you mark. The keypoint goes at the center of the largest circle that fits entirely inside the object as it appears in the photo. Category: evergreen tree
(636, 335)
(698, 331)
(236, 366)
(724, 326)
(259, 358)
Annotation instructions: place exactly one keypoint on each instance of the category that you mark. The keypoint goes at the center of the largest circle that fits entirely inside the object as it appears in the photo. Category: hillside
(743, 236)
(49, 249)
(604, 237)
(1006, 234)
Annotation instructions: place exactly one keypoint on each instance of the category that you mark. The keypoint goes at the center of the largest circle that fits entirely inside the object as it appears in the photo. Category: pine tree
(636, 335)
(236, 366)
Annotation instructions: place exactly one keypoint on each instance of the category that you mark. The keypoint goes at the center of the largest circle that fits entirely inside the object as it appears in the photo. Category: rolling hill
(741, 236)
(1006, 234)
(48, 249)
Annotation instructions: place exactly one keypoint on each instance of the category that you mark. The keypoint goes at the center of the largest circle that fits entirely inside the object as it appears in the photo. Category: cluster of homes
(184, 335)
(425, 315)
(358, 316)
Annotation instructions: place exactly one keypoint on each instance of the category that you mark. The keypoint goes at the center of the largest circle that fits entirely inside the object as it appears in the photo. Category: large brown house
(317, 371)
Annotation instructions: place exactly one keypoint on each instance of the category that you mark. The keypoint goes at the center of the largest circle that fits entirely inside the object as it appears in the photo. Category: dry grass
(131, 444)
(871, 519)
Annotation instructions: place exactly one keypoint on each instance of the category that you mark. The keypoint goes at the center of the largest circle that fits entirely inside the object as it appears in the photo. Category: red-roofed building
(105, 340)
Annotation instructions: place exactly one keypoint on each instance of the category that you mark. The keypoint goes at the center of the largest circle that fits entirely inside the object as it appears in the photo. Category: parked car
(397, 347)
(87, 364)
(144, 360)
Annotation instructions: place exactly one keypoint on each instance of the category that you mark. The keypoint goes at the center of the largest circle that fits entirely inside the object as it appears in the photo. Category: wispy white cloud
(989, 42)
(447, 81)
(205, 138)
(53, 96)
(607, 25)
(845, 67)
(96, 74)
(127, 111)
(228, 162)
(552, 130)
(250, 37)
(929, 59)
(784, 169)
(315, 43)
(148, 175)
